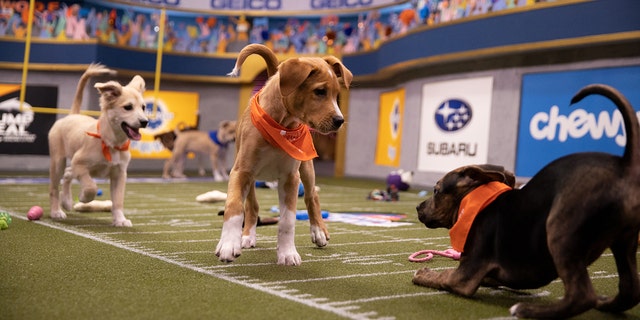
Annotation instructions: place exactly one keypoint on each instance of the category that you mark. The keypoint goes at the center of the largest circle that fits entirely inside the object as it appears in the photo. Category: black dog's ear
(487, 172)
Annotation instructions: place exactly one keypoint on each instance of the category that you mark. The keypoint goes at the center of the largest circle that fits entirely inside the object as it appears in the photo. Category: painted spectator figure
(408, 19)
(76, 28)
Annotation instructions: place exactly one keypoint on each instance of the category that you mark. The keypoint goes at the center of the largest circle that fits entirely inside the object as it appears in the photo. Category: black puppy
(555, 226)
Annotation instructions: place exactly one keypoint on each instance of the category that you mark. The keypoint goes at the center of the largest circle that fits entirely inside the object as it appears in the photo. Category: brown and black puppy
(555, 226)
(273, 143)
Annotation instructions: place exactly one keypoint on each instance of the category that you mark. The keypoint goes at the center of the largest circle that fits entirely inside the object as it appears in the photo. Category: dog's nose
(143, 123)
(337, 121)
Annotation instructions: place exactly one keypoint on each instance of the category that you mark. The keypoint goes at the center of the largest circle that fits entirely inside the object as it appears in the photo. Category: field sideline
(164, 267)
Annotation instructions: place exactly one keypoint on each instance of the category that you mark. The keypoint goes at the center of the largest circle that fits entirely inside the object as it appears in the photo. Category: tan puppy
(214, 144)
(96, 148)
(300, 92)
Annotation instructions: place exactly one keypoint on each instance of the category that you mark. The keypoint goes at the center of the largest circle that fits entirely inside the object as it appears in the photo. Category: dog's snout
(144, 123)
(421, 209)
(337, 121)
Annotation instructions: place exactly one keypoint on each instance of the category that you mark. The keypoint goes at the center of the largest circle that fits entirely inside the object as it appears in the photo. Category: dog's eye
(320, 92)
(128, 107)
(143, 107)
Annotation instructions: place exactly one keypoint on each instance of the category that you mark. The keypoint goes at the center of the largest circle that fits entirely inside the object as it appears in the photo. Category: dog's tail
(261, 50)
(94, 69)
(631, 155)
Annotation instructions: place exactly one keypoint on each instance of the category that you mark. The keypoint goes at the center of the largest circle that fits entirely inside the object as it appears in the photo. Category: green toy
(5, 220)
(4, 216)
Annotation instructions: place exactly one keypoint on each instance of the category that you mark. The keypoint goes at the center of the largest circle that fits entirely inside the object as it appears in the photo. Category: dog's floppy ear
(109, 90)
(137, 83)
(487, 172)
(293, 73)
(340, 70)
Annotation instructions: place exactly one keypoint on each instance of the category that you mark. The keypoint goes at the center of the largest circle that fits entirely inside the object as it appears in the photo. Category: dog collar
(474, 202)
(214, 137)
(297, 142)
(106, 152)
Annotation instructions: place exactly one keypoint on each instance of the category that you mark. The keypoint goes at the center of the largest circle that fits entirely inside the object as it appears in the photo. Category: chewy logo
(579, 123)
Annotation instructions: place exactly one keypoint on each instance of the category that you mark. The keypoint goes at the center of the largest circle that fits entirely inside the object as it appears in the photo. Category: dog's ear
(487, 172)
(109, 90)
(340, 70)
(293, 73)
(137, 83)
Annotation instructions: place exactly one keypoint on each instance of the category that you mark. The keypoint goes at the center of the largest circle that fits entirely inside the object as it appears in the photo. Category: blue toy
(304, 215)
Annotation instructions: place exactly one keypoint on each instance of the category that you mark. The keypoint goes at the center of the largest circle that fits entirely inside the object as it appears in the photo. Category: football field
(164, 267)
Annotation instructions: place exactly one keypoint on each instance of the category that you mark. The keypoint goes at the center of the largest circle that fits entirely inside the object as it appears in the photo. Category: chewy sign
(550, 127)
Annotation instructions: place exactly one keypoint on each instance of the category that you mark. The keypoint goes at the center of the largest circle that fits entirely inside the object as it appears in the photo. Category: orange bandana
(297, 142)
(105, 148)
(470, 206)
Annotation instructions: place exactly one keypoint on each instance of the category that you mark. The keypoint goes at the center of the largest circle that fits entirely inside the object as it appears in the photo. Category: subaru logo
(453, 115)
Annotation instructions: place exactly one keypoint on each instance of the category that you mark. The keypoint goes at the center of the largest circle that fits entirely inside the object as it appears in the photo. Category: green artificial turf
(164, 267)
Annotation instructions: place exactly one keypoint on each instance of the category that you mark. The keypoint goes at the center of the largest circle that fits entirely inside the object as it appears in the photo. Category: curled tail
(261, 50)
(631, 155)
(93, 70)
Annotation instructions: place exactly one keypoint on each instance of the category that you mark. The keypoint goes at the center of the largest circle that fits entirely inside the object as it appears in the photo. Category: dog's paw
(514, 310)
(289, 258)
(88, 194)
(58, 215)
(319, 236)
(228, 251)
(249, 241)
(528, 310)
(122, 223)
(425, 277)
(178, 175)
(617, 304)
(230, 245)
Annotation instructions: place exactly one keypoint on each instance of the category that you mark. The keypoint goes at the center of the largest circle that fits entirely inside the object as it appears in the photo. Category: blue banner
(550, 127)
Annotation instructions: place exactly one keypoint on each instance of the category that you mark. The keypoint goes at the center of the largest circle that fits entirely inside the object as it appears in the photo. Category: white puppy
(96, 148)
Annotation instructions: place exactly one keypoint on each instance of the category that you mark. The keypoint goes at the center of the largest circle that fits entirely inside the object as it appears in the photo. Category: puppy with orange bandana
(96, 147)
(273, 142)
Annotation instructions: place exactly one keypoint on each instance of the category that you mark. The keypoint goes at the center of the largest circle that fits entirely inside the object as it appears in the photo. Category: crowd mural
(190, 32)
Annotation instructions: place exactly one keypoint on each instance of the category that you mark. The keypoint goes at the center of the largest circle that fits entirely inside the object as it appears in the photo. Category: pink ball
(35, 213)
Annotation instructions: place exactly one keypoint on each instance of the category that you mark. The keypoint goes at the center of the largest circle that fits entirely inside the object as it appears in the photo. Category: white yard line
(343, 309)
(347, 308)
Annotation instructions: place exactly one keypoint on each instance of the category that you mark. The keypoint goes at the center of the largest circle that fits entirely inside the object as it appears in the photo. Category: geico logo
(247, 4)
(172, 3)
(337, 4)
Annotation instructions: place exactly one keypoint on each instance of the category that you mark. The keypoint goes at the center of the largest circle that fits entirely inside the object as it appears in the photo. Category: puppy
(273, 143)
(96, 148)
(214, 144)
(555, 226)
